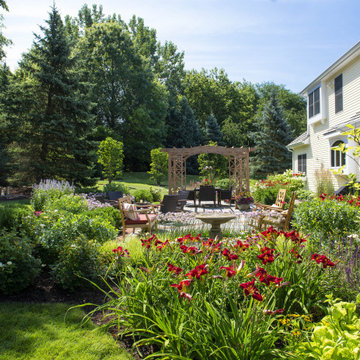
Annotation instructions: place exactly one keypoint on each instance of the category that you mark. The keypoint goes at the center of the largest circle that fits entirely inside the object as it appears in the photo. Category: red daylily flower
(121, 252)
(295, 237)
(322, 259)
(38, 213)
(230, 272)
(197, 272)
(249, 288)
(183, 285)
(267, 255)
(174, 269)
(147, 242)
(269, 232)
(161, 245)
(322, 196)
(190, 250)
(266, 278)
(241, 245)
(228, 255)
(296, 254)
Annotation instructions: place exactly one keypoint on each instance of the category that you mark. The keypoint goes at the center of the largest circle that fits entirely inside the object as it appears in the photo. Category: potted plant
(243, 201)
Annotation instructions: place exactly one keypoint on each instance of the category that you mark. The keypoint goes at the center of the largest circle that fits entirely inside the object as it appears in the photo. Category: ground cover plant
(49, 331)
(198, 298)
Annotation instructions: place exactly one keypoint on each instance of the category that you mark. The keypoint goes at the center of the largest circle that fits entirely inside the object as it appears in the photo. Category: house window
(337, 157)
(302, 163)
(338, 93)
(314, 102)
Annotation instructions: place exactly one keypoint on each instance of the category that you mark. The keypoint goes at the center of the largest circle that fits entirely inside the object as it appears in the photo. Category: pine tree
(56, 122)
(212, 131)
(272, 136)
(183, 129)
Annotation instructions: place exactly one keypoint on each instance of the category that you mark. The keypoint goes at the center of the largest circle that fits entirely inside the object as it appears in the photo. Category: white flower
(1, 265)
(9, 263)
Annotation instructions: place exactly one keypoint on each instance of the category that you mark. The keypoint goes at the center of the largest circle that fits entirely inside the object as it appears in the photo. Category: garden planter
(242, 206)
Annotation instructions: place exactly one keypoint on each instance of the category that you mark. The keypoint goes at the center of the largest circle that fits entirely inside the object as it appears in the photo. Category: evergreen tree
(54, 118)
(183, 129)
(212, 131)
(272, 136)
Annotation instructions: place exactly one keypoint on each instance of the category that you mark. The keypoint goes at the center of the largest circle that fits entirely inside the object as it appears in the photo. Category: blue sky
(289, 42)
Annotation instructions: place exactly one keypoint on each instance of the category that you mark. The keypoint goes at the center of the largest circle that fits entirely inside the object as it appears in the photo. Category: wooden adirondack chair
(281, 221)
(279, 202)
(132, 217)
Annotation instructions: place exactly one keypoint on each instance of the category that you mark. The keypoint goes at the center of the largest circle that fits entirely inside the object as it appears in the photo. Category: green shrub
(18, 267)
(70, 203)
(265, 191)
(336, 337)
(156, 194)
(77, 261)
(49, 190)
(11, 214)
(326, 218)
(109, 213)
(116, 187)
(143, 194)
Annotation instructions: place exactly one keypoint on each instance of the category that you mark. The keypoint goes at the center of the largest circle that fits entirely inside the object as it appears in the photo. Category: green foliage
(111, 158)
(158, 165)
(116, 187)
(325, 219)
(108, 213)
(11, 214)
(157, 313)
(337, 335)
(265, 191)
(70, 203)
(18, 266)
(272, 136)
(77, 263)
(212, 131)
(144, 195)
(156, 194)
(48, 191)
(213, 166)
(324, 182)
(48, 107)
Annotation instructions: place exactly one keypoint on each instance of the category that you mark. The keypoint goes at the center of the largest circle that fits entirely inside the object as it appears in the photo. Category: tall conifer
(272, 136)
(56, 123)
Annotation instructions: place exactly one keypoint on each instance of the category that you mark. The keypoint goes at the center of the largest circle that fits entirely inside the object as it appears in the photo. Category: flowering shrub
(48, 190)
(18, 266)
(265, 191)
(244, 198)
(215, 295)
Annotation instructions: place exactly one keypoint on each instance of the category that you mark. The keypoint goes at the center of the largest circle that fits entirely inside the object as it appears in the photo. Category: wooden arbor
(238, 164)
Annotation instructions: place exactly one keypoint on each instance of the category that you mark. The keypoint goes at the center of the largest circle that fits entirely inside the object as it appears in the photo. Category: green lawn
(141, 180)
(47, 332)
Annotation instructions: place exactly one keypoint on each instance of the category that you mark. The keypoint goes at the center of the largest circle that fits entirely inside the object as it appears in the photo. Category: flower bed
(195, 298)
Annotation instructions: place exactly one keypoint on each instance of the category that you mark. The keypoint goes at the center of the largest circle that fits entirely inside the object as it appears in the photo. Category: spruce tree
(272, 136)
(183, 129)
(55, 123)
(212, 131)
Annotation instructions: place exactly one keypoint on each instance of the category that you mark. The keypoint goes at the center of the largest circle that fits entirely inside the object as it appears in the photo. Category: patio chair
(224, 195)
(169, 203)
(281, 220)
(132, 217)
(207, 193)
(183, 196)
(192, 196)
(279, 202)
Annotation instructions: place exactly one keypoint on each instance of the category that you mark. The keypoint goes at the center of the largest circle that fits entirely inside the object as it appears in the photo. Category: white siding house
(333, 100)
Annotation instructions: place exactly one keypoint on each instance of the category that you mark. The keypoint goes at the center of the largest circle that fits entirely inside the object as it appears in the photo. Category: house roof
(300, 140)
(330, 71)
(338, 129)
